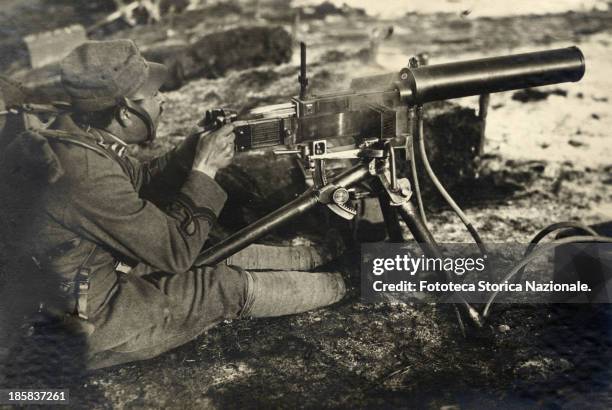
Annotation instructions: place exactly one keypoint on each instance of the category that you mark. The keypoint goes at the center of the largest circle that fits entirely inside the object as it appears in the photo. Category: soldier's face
(139, 132)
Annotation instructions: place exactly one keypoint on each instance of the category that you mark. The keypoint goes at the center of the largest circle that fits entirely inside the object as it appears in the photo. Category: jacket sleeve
(162, 177)
(104, 207)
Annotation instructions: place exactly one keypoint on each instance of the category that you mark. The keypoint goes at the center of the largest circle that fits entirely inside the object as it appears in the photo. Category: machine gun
(380, 122)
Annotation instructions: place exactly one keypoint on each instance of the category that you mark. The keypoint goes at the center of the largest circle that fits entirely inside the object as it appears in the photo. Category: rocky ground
(554, 151)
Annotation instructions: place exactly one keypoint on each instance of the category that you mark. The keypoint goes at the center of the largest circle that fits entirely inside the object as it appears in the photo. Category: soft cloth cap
(99, 74)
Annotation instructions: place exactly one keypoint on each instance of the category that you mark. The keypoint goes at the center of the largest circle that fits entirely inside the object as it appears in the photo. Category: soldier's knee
(225, 290)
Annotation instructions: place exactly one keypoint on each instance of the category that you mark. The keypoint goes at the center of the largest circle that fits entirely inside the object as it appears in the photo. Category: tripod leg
(394, 230)
(429, 246)
(419, 231)
(282, 215)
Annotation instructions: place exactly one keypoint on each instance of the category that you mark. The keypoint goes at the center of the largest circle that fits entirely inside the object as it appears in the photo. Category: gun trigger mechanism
(216, 118)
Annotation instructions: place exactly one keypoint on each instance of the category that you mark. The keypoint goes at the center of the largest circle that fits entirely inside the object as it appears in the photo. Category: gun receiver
(381, 114)
(344, 114)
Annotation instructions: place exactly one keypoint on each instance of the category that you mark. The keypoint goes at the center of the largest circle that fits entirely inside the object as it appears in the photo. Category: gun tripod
(377, 166)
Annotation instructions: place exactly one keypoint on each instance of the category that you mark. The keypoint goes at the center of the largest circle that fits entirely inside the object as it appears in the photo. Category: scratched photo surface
(515, 161)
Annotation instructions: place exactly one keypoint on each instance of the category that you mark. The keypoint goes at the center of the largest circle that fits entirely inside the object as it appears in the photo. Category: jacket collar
(102, 138)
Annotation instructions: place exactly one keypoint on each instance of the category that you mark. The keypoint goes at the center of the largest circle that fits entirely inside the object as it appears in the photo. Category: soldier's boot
(278, 293)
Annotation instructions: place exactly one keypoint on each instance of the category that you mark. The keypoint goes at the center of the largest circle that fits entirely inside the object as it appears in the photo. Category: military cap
(99, 74)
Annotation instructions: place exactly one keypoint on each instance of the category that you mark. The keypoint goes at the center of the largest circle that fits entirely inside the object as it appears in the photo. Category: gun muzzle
(488, 75)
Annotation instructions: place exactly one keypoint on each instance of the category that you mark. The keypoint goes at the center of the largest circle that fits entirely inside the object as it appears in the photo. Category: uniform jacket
(105, 210)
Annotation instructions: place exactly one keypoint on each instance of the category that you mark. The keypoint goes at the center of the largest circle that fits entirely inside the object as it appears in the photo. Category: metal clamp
(399, 195)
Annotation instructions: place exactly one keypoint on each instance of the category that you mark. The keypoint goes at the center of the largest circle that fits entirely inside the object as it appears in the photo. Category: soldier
(119, 237)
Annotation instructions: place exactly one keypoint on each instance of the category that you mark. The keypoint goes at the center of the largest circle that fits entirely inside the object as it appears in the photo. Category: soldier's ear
(123, 117)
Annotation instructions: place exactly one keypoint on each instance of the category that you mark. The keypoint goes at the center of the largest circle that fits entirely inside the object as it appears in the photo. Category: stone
(216, 53)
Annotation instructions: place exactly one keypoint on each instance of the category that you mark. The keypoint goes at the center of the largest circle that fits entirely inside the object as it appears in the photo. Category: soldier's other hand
(215, 150)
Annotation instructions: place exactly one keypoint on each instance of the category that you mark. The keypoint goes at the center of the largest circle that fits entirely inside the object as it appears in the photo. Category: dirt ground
(555, 151)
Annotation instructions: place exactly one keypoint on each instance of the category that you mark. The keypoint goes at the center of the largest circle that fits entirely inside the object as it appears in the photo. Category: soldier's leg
(146, 316)
(278, 293)
(157, 312)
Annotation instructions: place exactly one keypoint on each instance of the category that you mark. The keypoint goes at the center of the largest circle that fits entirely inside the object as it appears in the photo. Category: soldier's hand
(214, 151)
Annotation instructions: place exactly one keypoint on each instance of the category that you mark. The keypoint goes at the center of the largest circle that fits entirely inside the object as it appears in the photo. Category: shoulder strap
(82, 283)
(67, 137)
